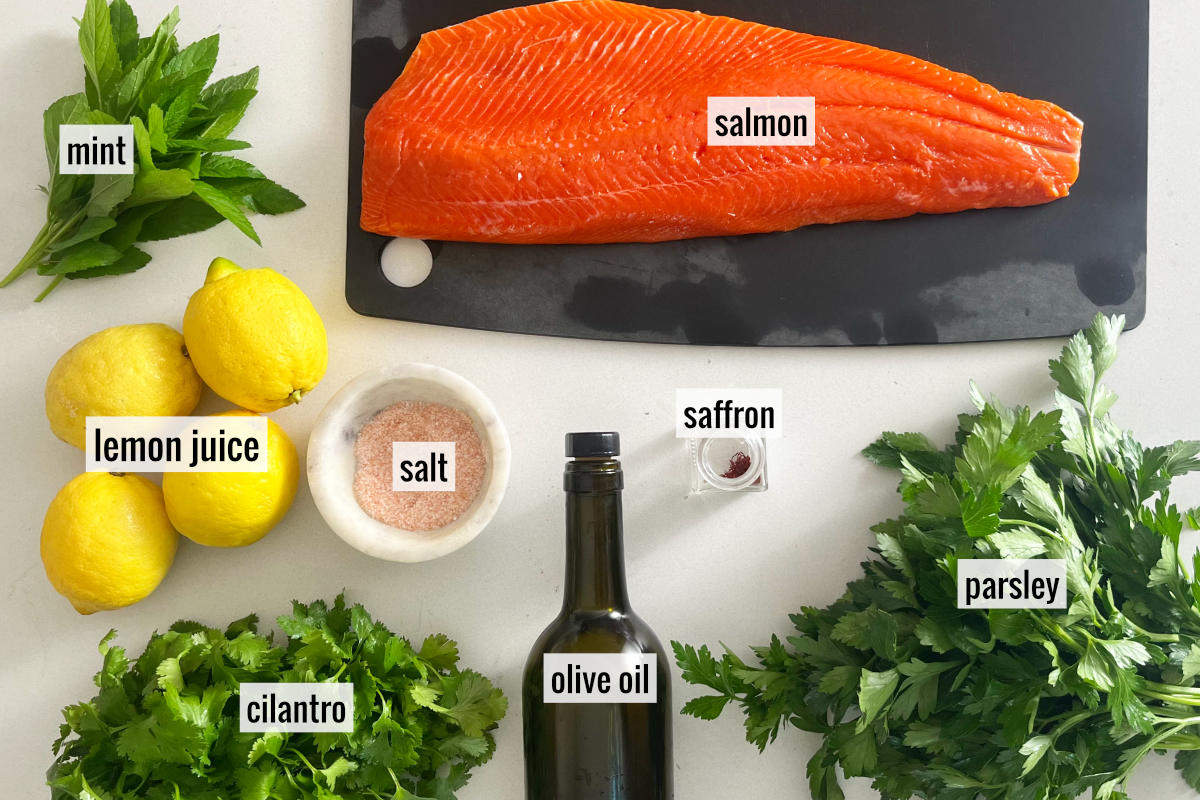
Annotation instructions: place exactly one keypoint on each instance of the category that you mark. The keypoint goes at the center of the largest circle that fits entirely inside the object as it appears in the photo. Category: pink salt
(412, 421)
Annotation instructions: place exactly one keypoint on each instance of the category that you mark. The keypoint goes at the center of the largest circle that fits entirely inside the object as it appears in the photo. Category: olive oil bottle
(597, 693)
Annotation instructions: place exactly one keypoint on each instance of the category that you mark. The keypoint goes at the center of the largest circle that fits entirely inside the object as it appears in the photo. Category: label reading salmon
(761, 121)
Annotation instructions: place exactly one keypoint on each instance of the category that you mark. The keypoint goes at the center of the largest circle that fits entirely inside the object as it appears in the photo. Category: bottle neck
(595, 577)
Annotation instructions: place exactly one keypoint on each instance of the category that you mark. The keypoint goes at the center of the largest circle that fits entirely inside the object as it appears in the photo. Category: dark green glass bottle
(596, 751)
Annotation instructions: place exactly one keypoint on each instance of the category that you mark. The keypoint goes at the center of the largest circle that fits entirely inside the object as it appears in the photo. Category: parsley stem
(1034, 525)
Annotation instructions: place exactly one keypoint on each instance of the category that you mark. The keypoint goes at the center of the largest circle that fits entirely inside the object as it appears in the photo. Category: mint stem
(32, 256)
(46, 292)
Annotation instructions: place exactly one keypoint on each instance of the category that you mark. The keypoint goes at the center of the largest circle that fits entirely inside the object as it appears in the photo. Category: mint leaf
(108, 192)
(176, 218)
(158, 185)
(214, 165)
(125, 30)
(100, 59)
(224, 205)
(80, 257)
(91, 228)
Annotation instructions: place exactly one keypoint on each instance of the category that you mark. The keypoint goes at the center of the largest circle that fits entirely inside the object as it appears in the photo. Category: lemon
(106, 541)
(130, 370)
(233, 509)
(254, 337)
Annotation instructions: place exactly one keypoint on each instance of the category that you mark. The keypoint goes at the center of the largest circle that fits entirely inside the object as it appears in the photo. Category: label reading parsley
(1012, 583)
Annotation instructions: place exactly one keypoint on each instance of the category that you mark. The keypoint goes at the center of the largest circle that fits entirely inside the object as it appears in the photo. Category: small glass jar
(720, 465)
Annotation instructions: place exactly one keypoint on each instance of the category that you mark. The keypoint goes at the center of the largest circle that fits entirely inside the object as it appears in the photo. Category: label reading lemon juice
(176, 444)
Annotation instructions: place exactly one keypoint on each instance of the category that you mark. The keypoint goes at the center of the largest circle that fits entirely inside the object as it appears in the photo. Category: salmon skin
(584, 121)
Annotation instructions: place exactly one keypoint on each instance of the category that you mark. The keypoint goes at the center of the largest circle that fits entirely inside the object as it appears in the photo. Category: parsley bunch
(182, 183)
(165, 726)
(932, 701)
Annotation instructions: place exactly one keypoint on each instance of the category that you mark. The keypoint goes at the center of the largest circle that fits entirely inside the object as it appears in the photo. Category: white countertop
(700, 570)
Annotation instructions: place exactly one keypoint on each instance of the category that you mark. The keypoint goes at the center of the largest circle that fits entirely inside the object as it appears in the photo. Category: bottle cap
(593, 445)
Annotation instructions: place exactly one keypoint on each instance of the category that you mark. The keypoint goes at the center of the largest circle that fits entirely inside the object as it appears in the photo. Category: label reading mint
(95, 149)
(728, 413)
(1012, 583)
(761, 121)
(176, 444)
(296, 707)
(600, 678)
(423, 466)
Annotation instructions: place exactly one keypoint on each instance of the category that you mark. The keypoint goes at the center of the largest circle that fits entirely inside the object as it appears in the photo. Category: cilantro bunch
(932, 701)
(182, 181)
(165, 726)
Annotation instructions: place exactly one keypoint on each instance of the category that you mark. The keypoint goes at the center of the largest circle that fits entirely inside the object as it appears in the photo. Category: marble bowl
(331, 461)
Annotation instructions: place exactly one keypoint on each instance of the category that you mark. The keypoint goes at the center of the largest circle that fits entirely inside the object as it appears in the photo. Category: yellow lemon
(106, 541)
(254, 337)
(129, 370)
(232, 509)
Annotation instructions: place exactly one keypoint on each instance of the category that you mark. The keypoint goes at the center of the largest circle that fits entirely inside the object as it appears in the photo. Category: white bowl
(331, 462)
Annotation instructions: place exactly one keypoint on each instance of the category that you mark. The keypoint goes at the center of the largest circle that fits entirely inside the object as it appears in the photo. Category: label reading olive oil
(600, 678)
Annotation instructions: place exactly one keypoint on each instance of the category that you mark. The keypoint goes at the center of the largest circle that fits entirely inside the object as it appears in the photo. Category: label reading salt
(423, 466)
(95, 149)
(600, 678)
(758, 121)
(176, 444)
(728, 413)
(1012, 583)
(296, 707)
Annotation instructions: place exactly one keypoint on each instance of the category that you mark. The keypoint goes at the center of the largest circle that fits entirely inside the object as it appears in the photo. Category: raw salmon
(585, 121)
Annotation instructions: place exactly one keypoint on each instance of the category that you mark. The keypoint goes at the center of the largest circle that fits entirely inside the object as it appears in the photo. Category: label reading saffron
(728, 413)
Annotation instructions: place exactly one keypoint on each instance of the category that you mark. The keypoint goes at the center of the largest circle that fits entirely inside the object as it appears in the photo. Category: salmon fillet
(584, 121)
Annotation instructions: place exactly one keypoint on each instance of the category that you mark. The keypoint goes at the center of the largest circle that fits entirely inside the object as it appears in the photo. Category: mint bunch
(165, 726)
(182, 182)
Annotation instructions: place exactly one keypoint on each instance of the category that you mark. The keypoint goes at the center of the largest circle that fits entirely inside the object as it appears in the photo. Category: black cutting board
(977, 275)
